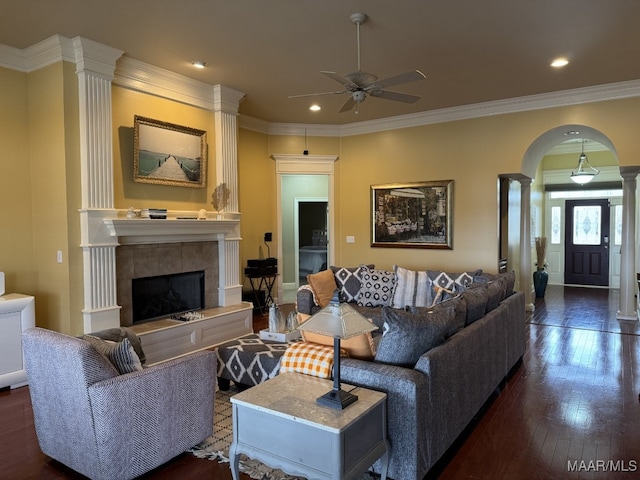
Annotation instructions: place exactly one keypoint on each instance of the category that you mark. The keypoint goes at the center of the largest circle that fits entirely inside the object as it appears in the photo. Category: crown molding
(599, 93)
(136, 75)
(39, 55)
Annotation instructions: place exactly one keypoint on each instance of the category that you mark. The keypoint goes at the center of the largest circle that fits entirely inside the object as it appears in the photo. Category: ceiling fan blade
(315, 94)
(340, 79)
(397, 96)
(397, 80)
(348, 105)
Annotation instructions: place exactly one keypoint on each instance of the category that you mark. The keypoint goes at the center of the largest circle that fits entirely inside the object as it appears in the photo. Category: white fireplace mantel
(139, 230)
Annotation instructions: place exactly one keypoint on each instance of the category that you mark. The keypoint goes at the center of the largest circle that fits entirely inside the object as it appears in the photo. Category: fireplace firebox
(165, 295)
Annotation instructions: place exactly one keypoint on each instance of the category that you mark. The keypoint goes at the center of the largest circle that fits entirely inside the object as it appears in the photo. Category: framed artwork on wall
(412, 215)
(168, 154)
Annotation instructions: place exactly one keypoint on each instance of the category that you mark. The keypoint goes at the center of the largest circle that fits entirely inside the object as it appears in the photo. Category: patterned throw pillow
(413, 289)
(308, 358)
(444, 284)
(120, 354)
(348, 282)
(407, 336)
(377, 287)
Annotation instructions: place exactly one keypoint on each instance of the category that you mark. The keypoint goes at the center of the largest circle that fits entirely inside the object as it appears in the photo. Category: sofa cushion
(510, 282)
(348, 282)
(408, 335)
(120, 354)
(496, 290)
(361, 346)
(412, 289)
(459, 319)
(324, 285)
(476, 298)
(377, 287)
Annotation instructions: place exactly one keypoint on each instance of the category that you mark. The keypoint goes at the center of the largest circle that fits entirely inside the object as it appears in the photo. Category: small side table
(265, 283)
(279, 423)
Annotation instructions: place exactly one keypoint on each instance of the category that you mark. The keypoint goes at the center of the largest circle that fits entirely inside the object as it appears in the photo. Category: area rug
(217, 446)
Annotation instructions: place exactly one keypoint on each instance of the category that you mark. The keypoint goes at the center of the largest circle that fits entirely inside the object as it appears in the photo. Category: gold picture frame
(412, 215)
(168, 154)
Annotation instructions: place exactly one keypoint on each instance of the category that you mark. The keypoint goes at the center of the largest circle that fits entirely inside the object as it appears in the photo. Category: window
(586, 225)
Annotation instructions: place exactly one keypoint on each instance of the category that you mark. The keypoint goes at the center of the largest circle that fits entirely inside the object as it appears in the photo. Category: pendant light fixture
(584, 172)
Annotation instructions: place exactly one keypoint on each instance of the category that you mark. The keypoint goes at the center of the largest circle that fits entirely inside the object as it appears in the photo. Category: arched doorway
(531, 160)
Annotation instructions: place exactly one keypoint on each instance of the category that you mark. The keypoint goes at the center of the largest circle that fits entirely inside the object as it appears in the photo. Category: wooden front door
(587, 242)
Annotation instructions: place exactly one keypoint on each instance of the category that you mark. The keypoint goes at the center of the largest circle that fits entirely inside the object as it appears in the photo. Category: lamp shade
(338, 320)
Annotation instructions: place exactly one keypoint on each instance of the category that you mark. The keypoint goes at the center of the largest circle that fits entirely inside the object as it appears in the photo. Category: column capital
(629, 173)
(95, 58)
(226, 99)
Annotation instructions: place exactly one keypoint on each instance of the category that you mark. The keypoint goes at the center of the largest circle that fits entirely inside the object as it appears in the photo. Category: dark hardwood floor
(570, 411)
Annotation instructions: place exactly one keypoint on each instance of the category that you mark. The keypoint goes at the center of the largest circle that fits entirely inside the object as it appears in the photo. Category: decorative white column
(226, 102)
(525, 241)
(628, 308)
(95, 66)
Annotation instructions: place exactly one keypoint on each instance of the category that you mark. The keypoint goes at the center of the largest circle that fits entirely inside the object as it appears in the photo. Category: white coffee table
(279, 423)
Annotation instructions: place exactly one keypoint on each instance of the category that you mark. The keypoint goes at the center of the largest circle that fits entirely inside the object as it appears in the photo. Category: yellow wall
(51, 205)
(256, 195)
(127, 193)
(16, 237)
(570, 160)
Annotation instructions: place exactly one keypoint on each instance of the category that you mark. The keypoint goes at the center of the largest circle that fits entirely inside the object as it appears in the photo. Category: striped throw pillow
(120, 354)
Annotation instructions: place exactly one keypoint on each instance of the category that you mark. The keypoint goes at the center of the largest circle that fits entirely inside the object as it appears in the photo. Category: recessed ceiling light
(315, 108)
(559, 62)
(199, 64)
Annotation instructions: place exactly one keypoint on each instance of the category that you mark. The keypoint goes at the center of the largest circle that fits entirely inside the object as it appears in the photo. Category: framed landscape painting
(168, 154)
(412, 215)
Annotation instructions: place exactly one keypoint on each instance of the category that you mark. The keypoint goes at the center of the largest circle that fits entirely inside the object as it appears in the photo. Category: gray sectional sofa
(432, 400)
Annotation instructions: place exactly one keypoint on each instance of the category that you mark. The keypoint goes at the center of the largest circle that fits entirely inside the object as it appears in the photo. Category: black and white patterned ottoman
(248, 361)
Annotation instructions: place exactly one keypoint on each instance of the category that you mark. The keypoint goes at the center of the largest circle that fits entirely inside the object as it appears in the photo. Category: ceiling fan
(359, 84)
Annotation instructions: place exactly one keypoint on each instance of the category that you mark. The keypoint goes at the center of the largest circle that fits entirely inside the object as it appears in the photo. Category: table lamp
(340, 321)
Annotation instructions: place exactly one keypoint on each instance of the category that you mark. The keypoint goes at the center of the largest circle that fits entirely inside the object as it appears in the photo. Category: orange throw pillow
(361, 346)
(323, 284)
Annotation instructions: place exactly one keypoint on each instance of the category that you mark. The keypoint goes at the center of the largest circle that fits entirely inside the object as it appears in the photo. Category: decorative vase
(540, 279)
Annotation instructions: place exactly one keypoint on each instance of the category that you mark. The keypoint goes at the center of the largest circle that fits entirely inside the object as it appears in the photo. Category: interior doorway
(587, 242)
(312, 221)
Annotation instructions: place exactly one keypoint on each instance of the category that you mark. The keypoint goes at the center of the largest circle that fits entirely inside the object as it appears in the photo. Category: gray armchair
(110, 426)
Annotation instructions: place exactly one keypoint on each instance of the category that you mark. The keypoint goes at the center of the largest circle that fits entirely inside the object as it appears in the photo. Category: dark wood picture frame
(412, 215)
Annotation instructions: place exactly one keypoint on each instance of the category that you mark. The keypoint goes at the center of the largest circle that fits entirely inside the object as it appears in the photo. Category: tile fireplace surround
(137, 261)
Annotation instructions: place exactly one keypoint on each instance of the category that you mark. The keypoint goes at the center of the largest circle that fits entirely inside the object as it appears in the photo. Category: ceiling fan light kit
(359, 84)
